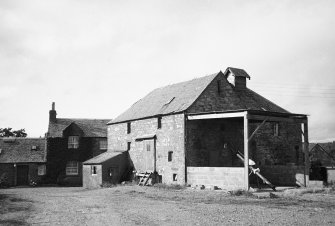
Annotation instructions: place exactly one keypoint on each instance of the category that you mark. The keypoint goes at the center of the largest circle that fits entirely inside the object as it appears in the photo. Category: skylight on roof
(169, 102)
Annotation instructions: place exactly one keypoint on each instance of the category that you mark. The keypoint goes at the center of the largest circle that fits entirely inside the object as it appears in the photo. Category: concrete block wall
(283, 175)
(170, 137)
(228, 178)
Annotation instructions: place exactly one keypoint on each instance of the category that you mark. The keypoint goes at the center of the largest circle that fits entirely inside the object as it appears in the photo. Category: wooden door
(149, 153)
(22, 174)
(113, 173)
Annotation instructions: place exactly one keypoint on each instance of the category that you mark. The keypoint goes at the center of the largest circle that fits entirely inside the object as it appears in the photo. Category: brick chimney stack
(52, 113)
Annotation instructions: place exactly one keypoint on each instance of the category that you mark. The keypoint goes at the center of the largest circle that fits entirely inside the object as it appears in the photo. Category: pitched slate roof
(90, 127)
(169, 99)
(19, 150)
(179, 97)
(102, 158)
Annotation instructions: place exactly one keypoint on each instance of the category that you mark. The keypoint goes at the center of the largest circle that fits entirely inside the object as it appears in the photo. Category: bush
(240, 192)
(4, 180)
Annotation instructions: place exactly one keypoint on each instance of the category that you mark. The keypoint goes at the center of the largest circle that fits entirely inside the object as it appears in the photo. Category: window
(41, 170)
(33, 148)
(159, 122)
(170, 156)
(128, 127)
(72, 168)
(276, 129)
(128, 146)
(73, 142)
(103, 144)
(219, 86)
(174, 177)
(94, 170)
(148, 147)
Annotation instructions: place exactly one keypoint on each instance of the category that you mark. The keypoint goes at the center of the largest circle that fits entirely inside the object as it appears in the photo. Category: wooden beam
(270, 118)
(246, 152)
(218, 115)
(258, 127)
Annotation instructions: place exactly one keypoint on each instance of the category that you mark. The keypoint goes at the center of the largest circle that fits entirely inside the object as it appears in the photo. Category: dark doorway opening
(22, 175)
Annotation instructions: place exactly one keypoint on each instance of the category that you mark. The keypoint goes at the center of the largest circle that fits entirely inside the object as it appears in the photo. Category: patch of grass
(12, 222)
(170, 186)
(240, 192)
(302, 191)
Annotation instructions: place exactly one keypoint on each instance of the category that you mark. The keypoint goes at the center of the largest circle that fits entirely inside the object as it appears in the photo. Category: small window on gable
(103, 144)
(73, 142)
(159, 122)
(170, 153)
(128, 146)
(219, 86)
(276, 129)
(94, 170)
(128, 127)
(174, 177)
(41, 170)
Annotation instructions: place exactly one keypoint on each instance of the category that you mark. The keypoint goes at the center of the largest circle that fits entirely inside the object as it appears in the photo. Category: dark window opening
(128, 146)
(219, 86)
(170, 156)
(128, 127)
(93, 170)
(159, 122)
(174, 177)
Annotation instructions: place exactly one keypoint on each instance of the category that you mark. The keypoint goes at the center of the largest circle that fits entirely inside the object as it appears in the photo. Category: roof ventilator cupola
(237, 77)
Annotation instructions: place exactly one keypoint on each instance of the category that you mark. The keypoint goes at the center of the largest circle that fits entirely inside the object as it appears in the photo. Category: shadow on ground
(14, 210)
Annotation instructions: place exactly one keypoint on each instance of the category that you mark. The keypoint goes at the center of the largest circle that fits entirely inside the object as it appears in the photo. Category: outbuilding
(22, 161)
(109, 168)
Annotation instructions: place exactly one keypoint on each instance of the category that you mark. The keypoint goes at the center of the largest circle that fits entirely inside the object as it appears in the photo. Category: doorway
(22, 172)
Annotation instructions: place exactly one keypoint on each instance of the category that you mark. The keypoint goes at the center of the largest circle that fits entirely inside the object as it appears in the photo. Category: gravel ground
(134, 205)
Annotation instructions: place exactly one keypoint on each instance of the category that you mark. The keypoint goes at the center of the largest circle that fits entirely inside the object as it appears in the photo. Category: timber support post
(246, 151)
(306, 153)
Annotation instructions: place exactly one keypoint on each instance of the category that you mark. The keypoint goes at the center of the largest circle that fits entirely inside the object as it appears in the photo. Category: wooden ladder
(144, 179)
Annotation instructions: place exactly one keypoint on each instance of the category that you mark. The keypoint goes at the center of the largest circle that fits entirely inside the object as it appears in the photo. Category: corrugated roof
(19, 150)
(102, 158)
(90, 127)
(169, 99)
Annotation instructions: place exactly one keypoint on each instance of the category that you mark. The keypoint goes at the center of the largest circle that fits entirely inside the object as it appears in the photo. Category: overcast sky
(96, 58)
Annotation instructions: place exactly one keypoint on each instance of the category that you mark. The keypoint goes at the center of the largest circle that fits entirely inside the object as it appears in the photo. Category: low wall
(283, 175)
(229, 178)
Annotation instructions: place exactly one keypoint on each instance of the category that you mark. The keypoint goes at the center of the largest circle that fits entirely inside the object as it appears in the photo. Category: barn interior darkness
(215, 143)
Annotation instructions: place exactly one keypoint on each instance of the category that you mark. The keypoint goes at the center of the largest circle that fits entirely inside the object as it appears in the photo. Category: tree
(7, 132)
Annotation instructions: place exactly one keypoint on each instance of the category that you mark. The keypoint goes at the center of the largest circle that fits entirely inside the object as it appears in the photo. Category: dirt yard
(133, 205)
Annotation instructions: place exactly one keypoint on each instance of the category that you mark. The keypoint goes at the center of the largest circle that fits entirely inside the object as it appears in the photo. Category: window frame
(94, 170)
(103, 144)
(170, 156)
(159, 122)
(276, 129)
(74, 169)
(73, 142)
(41, 170)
